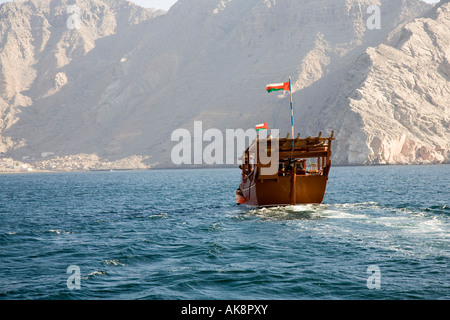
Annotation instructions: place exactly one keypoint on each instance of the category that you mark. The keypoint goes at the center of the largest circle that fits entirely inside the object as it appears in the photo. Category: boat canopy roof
(309, 147)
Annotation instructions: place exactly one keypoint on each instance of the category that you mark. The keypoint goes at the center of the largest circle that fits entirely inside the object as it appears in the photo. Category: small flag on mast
(262, 126)
(286, 86)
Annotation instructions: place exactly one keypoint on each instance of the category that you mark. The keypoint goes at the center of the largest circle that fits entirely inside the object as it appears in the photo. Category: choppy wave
(135, 237)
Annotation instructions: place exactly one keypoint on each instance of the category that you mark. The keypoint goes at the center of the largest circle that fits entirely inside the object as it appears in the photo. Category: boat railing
(300, 170)
(294, 155)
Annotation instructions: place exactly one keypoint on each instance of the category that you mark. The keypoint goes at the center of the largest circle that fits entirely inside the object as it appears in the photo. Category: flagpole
(292, 113)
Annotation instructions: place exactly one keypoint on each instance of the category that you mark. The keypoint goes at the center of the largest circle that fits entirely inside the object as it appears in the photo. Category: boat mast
(292, 114)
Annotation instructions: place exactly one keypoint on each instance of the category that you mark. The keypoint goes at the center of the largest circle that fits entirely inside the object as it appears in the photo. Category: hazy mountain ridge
(407, 118)
(38, 45)
(119, 85)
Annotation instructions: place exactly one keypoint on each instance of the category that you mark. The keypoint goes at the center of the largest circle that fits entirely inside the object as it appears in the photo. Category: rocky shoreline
(91, 162)
(75, 163)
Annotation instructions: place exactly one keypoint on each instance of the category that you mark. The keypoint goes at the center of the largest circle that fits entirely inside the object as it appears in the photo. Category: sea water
(381, 233)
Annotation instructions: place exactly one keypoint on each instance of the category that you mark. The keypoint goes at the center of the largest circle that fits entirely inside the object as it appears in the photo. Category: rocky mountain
(400, 91)
(115, 80)
(42, 43)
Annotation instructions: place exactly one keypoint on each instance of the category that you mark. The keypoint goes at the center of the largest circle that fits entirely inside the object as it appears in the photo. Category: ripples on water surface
(177, 234)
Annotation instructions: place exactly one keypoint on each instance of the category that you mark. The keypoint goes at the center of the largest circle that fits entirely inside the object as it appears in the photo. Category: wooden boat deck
(297, 180)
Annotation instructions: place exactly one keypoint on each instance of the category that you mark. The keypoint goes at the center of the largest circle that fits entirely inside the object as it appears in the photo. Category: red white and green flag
(262, 126)
(278, 86)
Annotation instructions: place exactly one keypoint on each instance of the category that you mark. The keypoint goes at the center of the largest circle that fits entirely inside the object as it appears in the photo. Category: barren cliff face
(119, 79)
(40, 41)
(404, 102)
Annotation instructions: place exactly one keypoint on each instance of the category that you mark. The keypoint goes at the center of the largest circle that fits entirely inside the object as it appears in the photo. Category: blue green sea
(382, 232)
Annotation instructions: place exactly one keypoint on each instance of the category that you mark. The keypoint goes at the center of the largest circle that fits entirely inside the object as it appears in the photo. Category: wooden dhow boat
(302, 166)
(301, 178)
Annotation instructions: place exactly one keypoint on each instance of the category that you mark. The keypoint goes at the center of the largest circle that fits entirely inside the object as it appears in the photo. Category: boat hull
(300, 175)
(308, 190)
